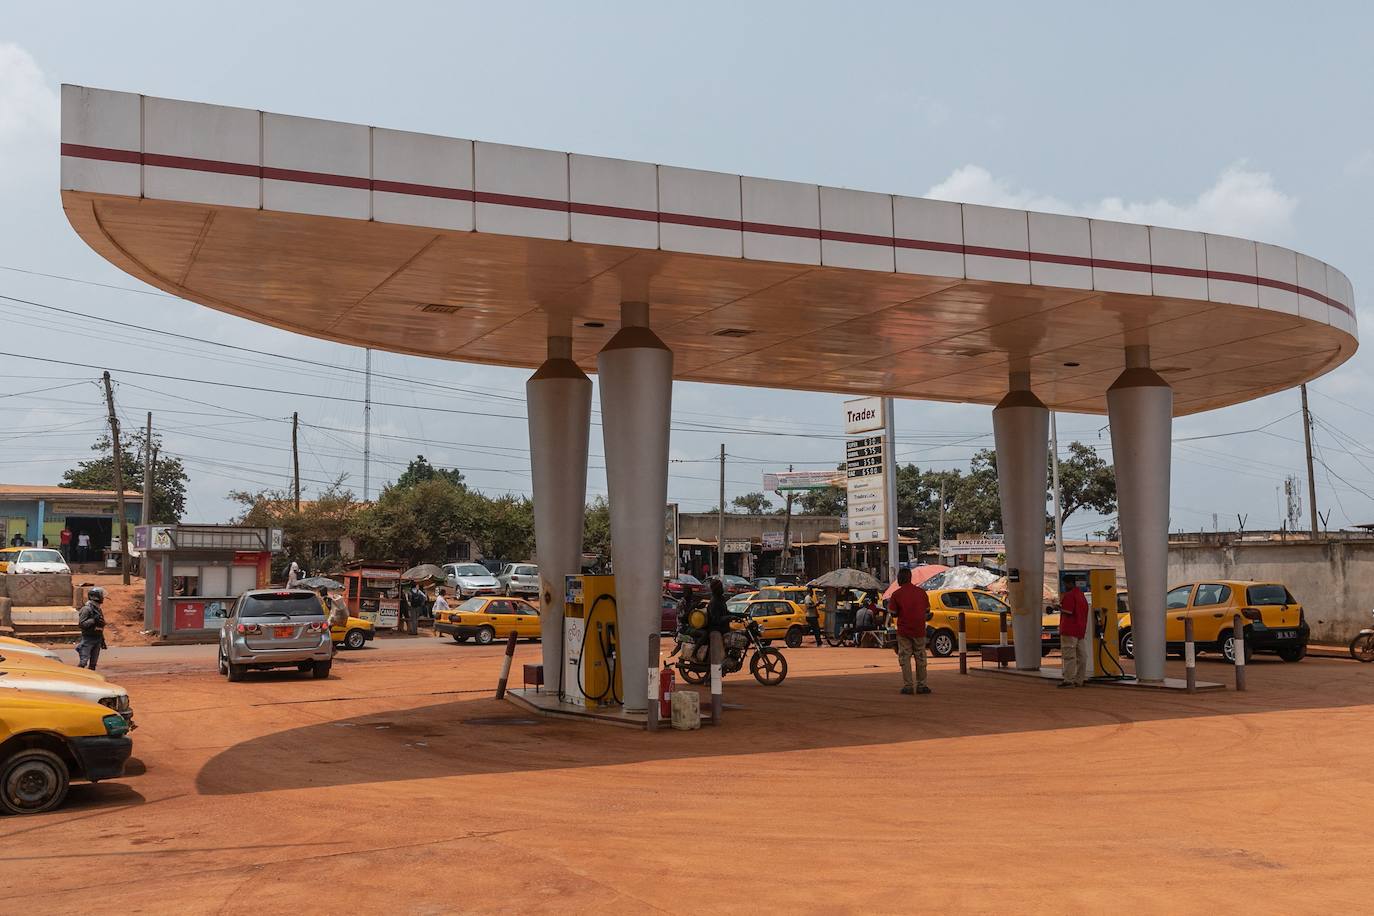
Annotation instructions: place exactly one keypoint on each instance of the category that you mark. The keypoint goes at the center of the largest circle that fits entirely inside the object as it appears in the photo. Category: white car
(471, 579)
(39, 560)
(520, 579)
(11, 646)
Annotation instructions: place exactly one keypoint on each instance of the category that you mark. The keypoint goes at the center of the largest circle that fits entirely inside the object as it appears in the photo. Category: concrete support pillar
(1140, 406)
(559, 403)
(636, 381)
(1020, 426)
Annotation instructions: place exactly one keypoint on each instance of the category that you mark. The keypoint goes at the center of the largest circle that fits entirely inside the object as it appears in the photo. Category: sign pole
(890, 472)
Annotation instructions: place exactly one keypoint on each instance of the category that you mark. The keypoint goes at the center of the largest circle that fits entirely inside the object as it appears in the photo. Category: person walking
(813, 618)
(91, 620)
(1073, 627)
(909, 604)
(83, 547)
(440, 603)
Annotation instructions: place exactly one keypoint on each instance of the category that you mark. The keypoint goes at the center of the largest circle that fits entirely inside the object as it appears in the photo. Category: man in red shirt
(909, 605)
(1073, 626)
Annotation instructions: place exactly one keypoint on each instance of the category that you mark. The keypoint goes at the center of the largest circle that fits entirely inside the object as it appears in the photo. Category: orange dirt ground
(381, 791)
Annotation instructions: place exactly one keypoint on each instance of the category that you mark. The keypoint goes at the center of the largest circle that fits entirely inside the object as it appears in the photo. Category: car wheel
(354, 639)
(459, 639)
(1293, 653)
(303, 667)
(321, 670)
(223, 666)
(234, 671)
(1127, 644)
(942, 644)
(32, 781)
(1228, 648)
(793, 640)
(485, 636)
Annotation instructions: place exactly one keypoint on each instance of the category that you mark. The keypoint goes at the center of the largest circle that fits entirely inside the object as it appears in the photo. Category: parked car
(275, 628)
(734, 585)
(6, 555)
(982, 621)
(519, 579)
(35, 560)
(354, 634)
(779, 618)
(11, 646)
(21, 671)
(1274, 619)
(736, 603)
(667, 625)
(485, 618)
(676, 586)
(765, 582)
(46, 740)
(471, 579)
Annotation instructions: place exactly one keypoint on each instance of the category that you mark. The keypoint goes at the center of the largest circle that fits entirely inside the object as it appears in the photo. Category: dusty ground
(381, 790)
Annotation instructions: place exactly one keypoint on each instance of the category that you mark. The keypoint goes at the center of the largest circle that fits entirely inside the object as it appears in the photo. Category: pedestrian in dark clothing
(813, 618)
(91, 620)
(717, 611)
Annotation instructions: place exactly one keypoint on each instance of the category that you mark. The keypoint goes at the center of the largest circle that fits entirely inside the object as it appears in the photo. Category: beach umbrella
(846, 578)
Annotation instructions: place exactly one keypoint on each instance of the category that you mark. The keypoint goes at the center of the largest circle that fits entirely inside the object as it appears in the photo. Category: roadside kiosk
(373, 592)
(193, 573)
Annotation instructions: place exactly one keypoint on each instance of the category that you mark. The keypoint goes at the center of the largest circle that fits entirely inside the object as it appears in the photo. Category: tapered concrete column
(1021, 428)
(559, 402)
(635, 374)
(1140, 406)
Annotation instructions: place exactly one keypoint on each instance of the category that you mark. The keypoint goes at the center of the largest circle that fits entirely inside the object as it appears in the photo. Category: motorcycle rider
(717, 611)
(91, 620)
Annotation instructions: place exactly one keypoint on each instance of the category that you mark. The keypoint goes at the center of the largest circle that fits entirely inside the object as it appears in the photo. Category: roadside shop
(194, 573)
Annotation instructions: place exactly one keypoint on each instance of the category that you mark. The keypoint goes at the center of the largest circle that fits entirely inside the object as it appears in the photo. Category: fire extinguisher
(667, 680)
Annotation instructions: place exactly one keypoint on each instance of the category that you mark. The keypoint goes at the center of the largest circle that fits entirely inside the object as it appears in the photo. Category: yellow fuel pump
(591, 647)
(1104, 659)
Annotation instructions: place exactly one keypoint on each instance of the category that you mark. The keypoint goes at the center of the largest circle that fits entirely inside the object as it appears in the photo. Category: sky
(1242, 118)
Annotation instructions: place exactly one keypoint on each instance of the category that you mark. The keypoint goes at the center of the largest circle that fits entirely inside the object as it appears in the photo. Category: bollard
(6, 615)
(963, 643)
(1189, 654)
(1238, 649)
(1002, 622)
(505, 667)
(716, 657)
(651, 714)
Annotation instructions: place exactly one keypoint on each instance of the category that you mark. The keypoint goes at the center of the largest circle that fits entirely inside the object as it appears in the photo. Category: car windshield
(473, 604)
(281, 604)
(470, 569)
(39, 556)
(527, 570)
(1267, 594)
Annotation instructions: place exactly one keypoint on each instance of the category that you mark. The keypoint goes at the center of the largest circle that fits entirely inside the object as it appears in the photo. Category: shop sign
(793, 481)
(963, 547)
(738, 545)
(772, 540)
(863, 415)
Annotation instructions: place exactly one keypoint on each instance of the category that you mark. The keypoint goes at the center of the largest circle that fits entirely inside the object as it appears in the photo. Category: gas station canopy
(469, 251)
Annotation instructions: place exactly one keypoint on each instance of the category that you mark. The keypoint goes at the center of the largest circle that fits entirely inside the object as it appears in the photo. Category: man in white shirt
(83, 547)
(439, 603)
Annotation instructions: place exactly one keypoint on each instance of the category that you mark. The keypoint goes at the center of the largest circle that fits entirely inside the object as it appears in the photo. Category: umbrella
(846, 578)
(919, 575)
(316, 582)
(961, 577)
(423, 572)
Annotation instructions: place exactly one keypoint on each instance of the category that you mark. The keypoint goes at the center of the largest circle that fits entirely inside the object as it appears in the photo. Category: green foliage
(324, 519)
(753, 504)
(596, 528)
(1086, 481)
(420, 470)
(169, 476)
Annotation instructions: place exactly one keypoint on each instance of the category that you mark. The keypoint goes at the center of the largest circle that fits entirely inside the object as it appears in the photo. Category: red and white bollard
(1002, 623)
(1189, 655)
(1238, 649)
(505, 667)
(963, 643)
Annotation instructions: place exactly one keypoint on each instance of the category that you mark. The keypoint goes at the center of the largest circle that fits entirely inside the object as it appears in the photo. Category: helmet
(96, 594)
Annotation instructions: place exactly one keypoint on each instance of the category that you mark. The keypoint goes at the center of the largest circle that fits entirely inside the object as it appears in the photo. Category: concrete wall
(1334, 581)
(46, 590)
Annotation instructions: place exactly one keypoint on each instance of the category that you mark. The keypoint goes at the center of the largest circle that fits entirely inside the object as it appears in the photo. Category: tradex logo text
(858, 416)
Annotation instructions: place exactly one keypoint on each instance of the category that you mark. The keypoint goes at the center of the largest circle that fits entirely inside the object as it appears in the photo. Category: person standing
(64, 543)
(440, 603)
(909, 604)
(91, 620)
(813, 618)
(1073, 627)
(293, 574)
(83, 547)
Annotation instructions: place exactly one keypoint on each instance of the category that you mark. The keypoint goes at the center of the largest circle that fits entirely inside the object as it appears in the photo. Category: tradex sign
(863, 415)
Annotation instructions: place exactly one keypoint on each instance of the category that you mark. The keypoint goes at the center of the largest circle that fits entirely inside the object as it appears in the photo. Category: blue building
(32, 513)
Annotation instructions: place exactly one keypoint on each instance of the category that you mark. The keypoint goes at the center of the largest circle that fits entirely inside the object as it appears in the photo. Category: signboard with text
(772, 540)
(738, 545)
(785, 481)
(866, 488)
(963, 547)
(863, 415)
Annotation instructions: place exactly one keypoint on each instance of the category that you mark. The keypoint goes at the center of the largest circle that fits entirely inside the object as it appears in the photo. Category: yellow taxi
(354, 634)
(778, 618)
(46, 740)
(487, 617)
(6, 555)
(982, 621)
(1274, 620)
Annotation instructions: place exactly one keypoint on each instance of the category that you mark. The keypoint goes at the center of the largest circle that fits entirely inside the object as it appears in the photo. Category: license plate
(283, 632)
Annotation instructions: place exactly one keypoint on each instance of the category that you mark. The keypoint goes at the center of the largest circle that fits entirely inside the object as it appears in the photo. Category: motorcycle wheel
(769, 667)
(1362, 647)
(690, 674)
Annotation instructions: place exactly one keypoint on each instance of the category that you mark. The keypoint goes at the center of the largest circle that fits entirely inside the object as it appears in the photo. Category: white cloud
(1242, 201)
(27, 103)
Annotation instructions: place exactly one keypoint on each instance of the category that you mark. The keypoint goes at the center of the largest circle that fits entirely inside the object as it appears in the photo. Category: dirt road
(400, 786)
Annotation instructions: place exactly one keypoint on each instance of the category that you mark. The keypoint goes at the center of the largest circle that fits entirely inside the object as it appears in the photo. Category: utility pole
(894, 543)
(367, 427)
(1311, 479)
(295, 460)
(118, 481)
(787, 533)
(940, 547)
(147, 472)
(1058, 507)
(720, 520)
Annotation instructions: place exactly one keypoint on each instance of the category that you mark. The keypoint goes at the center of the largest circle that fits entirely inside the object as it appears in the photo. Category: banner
(784, 481)
(963, 547)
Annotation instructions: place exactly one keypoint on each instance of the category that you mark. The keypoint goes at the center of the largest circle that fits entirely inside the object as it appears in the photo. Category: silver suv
(275, 628)
(519, 579)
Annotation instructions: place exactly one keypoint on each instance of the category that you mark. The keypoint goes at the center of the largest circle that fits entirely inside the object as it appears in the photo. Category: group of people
(82, 546)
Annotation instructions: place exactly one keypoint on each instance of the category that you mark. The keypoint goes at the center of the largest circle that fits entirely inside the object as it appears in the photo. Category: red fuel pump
(667, 680)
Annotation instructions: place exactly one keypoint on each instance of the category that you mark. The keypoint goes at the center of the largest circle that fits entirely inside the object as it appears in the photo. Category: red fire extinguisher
(667, 680)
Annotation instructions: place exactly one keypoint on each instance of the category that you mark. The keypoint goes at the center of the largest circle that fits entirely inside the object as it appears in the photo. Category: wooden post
(1189, 654)
(963, 643)
(717, 656)
(1238, 649)
(295, 462)
(505, 667)
(118, 482)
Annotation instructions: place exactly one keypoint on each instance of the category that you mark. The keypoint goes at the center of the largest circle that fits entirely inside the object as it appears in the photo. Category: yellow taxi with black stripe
(46, 740)
(487, 618)
(1273, 620)
(982, 621)
(354, 634)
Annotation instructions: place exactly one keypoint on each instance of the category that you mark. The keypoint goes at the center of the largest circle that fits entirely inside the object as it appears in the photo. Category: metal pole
(651, 722)
(787, 535)
(367, 426)
(963, 644)
(118, 481)
(295, 460)
(720, 521)
(894, 545)
(1189, 654)
(1002, 623)
(1058, 507)
(1311, 479)
(717, 656)
(1238, 649)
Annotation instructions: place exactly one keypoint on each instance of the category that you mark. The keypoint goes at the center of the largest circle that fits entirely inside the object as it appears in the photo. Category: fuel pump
(1104, 637)
(591, 673)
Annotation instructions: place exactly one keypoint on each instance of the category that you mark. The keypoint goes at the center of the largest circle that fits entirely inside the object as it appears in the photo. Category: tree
(169, 476)
(1086, 481)
(505, 527)
(596, 527)
(752, 504)
(420, 470)
(323, 520)
(423, 522)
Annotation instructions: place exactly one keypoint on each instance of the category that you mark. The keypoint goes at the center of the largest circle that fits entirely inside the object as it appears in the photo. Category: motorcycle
(766, 664)
(1362, 646)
